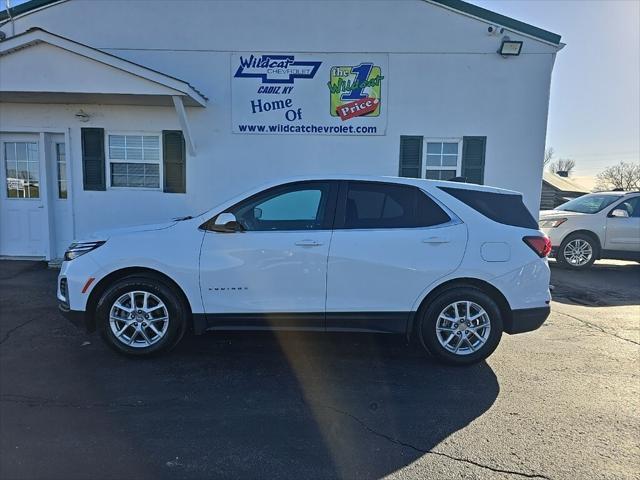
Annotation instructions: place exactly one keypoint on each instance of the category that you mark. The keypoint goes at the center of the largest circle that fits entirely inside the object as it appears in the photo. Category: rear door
(390, 242)
(623, 233)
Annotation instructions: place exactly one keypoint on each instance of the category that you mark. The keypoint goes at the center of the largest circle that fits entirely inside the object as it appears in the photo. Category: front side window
(589, 203)
(631, 206)
(22, 169)
(134, 161)
(442, 159)
(292, 207)
(386, 205)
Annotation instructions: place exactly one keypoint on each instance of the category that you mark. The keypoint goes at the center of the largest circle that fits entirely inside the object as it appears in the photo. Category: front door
(623, 233)
(23, 222)
(272, 274)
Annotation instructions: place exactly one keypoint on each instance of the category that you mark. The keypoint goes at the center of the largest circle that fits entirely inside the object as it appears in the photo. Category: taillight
(540, 245)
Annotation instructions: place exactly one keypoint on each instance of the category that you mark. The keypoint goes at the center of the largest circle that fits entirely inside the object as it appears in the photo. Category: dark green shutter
(410, 156)
(93, 174)
(174, 161)
(473, 153)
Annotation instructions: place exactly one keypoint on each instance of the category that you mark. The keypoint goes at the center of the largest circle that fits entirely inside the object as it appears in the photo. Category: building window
(443, 159)
(134, 161)
(61, 166)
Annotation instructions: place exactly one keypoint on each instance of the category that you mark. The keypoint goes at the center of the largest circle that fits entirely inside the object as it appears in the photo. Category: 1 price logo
(355, 91)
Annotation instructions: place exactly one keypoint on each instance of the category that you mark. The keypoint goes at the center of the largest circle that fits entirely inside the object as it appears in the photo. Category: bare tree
(548, 155)
(562, 165)
(625, 176)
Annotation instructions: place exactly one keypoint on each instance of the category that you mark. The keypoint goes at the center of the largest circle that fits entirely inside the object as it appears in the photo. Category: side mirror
(257, 213)
(226, 223)
(620, 213)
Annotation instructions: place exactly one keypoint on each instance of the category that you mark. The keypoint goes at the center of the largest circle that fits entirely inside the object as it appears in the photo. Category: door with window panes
(59, 186)
(23, 230)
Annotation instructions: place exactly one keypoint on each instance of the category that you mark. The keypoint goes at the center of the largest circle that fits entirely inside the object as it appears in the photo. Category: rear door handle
(308, 243)
(435, 239)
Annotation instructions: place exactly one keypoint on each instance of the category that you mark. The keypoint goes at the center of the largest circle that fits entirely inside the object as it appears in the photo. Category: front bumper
(526, 319)
(76, 317)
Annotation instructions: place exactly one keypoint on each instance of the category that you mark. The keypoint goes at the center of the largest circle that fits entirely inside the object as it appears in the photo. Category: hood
(106, 234)
(548, 214)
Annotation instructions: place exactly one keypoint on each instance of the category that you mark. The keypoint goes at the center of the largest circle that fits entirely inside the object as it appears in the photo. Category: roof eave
(36, 35)
(501, 20)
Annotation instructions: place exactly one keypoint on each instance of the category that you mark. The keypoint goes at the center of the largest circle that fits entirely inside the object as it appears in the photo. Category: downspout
(7, 4)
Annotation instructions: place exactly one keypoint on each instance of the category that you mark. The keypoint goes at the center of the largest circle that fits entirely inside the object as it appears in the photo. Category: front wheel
(461, 326)
(577, 251)
(140, 316)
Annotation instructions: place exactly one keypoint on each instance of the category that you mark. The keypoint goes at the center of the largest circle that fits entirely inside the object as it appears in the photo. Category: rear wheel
(578, 251)
(141, 316)
(461, 326)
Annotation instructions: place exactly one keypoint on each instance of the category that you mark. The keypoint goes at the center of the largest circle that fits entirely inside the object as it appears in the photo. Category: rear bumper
(526, 319)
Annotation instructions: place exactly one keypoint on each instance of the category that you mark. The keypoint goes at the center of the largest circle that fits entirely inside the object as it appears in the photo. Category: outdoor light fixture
(83, 116)
(510, 48)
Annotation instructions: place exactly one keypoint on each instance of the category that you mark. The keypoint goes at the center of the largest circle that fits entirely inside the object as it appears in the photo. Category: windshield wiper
(180, 219)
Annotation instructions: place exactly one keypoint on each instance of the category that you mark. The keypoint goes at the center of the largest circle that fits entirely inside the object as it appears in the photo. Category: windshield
(589, 203)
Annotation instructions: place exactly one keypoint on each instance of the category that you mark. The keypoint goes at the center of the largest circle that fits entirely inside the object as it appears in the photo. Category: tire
(144, 336)
(569, 254)
(478, 346)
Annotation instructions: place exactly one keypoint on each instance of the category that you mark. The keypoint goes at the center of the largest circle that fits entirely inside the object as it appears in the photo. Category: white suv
(594, 226)
(451, 264)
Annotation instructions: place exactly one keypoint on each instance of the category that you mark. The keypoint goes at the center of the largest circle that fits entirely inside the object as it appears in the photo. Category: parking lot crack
(598, 327)
(396, 441)
(12, 330)
(33, 401)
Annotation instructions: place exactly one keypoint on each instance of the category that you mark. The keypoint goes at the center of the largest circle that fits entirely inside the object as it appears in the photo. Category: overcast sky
(594, 115)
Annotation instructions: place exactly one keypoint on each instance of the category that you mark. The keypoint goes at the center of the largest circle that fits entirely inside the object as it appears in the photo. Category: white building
(115, 113)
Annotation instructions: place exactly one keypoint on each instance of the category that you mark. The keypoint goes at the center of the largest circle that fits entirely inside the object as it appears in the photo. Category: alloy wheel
(139, 319)
(578, 252)
(463, 327)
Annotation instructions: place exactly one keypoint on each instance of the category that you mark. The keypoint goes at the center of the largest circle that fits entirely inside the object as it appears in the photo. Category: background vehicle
(452, 265)
(594, 226)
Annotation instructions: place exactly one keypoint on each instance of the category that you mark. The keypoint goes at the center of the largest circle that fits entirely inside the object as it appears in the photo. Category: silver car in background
(604, 225)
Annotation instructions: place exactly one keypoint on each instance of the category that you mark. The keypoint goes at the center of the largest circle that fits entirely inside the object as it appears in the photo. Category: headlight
(553, 223)
(80, 248)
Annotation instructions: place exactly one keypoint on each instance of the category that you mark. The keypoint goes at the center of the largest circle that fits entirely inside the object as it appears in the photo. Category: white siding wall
(445, 80)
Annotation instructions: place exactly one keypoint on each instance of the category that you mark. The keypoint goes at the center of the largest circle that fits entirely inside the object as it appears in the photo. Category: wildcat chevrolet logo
(275, 68)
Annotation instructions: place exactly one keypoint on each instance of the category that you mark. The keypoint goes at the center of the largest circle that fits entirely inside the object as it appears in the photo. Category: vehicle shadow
(299, 406)
(605, 284)
(231, 405)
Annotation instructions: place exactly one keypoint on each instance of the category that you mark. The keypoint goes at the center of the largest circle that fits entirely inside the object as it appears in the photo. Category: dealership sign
(314, 94)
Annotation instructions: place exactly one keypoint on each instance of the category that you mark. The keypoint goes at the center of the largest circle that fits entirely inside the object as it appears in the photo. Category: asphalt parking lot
(558, 403)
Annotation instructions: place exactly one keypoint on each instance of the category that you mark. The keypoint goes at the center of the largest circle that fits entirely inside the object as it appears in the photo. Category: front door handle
(308, 243)
(436, 239)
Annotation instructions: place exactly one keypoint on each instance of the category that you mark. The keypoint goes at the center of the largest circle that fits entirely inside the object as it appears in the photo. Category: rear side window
(499, 207)
(387, 205)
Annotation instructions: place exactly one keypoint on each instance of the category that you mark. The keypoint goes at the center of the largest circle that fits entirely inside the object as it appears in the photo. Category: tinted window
(384, 205)
(589, 203)
(301, 206)
(499, 207)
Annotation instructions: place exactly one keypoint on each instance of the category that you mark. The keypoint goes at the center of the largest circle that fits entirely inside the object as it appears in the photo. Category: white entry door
(23, 221)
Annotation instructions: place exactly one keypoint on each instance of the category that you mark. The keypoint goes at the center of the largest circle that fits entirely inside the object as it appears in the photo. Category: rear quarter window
(504, 208)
